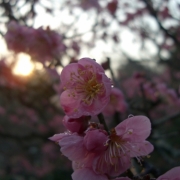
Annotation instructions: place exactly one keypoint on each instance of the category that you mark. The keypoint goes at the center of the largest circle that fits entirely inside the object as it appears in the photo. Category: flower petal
(91, 62)
(140, 149)
(78, 125)
(57, 137)
(72, 147)
(97, 106)
(65, 76)
(134, 129)
(70, 103)
(87, 174)
(112, 166)
(95, 141)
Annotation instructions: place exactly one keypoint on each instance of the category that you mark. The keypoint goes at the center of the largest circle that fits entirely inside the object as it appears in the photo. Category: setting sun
(24, 66)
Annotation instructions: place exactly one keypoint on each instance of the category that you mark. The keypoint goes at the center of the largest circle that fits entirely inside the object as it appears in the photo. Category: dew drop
(130, 131)
(131, 115)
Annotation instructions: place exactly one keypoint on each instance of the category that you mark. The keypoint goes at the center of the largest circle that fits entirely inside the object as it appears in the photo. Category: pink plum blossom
(86, 88)
(17, 37)
(116, 103)
(49, 42)
(125, 141)
(173, 174)
(78, 125)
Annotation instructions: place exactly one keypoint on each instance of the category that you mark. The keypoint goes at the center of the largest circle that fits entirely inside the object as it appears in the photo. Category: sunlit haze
(24, 66)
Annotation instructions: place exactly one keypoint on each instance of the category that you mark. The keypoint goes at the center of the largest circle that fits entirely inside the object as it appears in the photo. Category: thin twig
(102, 121)
(154, 14)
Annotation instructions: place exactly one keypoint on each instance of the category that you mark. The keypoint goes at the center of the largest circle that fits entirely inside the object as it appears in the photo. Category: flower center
(86, 83)
(116, 144)
(91, 89)
(112, 155)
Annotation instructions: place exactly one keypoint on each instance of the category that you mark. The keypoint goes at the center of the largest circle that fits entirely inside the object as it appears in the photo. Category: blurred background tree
(137, 43)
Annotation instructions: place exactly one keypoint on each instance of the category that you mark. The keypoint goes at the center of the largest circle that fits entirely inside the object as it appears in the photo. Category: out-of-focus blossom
(132, 85)
(116, 103)
(173, 174)
(49, 151)
(112, 6)
(56, 123)
(164, 14)
(17, 37)
(2, 111)
(86, 88)
(166, 93)
(41, 44)
(75, 46)
(130, 16)
(89, 4)
(49, 44)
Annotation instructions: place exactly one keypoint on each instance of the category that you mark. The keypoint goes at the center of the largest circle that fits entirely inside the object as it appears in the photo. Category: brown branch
(155, 15)
(102, 121)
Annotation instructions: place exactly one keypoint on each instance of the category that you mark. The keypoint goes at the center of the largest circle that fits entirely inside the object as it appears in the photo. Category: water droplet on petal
(131, 115)
(130, 131)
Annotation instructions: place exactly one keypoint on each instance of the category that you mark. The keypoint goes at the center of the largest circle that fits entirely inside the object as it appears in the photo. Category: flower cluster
(39, 43)
(96, 152)
(98, 155)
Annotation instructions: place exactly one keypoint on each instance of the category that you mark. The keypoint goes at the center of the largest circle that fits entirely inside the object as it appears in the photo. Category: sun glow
(23, 66)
